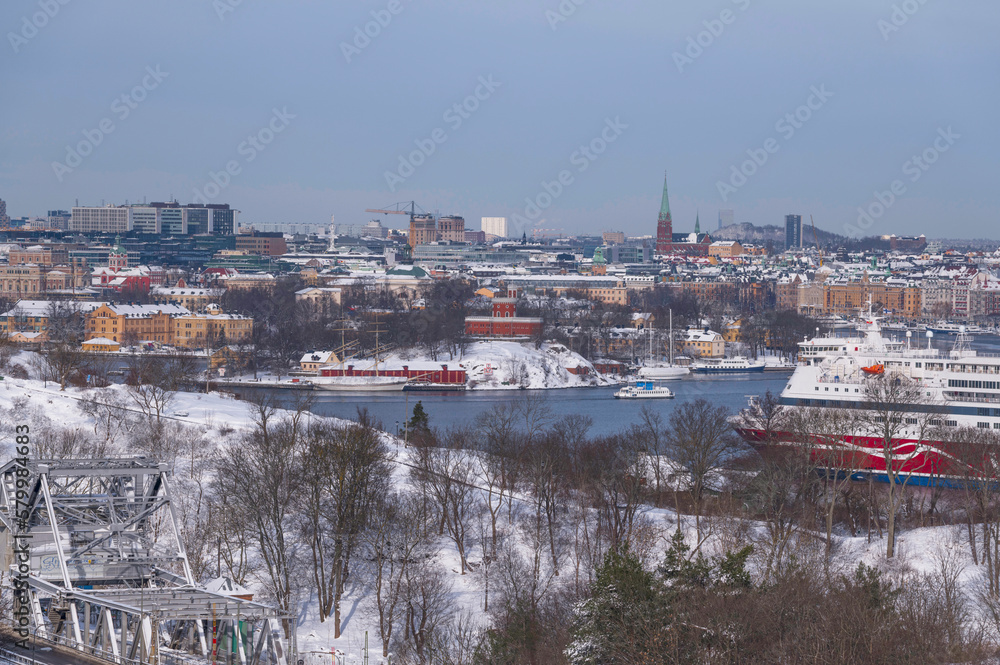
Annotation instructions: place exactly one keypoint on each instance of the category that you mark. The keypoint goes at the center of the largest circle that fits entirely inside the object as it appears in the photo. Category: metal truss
(109, 575)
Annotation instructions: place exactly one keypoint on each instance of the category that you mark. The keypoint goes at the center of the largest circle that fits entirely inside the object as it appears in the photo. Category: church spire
(697, 223)
(664, 224)
(665, 202)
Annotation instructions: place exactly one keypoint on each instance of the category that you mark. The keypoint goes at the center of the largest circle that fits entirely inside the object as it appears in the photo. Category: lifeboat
(877, 368)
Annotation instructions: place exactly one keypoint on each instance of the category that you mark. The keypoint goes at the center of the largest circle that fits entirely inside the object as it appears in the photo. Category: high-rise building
(145, 219)
(4, 219)
(495, 226)
(106, 219)
(423, 229)
(613, 237)
(726, 218)
(197, 219)
(223, 219)
(793, 231)
(664, 224)
(451, 228)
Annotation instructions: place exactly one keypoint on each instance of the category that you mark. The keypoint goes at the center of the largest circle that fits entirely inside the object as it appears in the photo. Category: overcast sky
(335, 115)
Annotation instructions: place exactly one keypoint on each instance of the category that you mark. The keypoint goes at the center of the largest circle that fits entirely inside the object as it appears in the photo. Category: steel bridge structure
(107, 574)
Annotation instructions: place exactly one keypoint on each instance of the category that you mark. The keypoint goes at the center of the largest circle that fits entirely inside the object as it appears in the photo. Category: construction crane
(399, 209)
(816, 238)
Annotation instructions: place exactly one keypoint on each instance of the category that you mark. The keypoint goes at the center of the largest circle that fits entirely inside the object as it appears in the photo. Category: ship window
(827, 389)
(817, 387)
(918, 364)
(982, 412)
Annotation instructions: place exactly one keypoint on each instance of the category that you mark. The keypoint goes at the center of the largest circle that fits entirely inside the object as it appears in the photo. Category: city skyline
(762, 110)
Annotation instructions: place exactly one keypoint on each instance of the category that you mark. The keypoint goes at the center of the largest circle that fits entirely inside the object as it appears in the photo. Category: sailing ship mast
(671, 341)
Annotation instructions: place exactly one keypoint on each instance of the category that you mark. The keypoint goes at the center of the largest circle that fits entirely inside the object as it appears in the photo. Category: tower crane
(399, 209)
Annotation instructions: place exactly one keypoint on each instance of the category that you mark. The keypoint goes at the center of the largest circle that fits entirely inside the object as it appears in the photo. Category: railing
(7, 656)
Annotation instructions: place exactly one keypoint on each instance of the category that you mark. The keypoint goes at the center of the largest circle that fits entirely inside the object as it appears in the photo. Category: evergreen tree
(419, 422)
(625, 615)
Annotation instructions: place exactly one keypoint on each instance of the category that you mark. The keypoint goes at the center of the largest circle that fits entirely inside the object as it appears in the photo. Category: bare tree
(896, 429)
(428, 607)
(396, 536)
(259, 478)
(112, 418)
(651, 432)
(63, 355)
(449, 476)
(344, 471)
(701, 441)
(153, 380)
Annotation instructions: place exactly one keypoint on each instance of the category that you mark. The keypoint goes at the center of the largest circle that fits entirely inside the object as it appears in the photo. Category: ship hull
(920, 463)
(366, 387)
(728, 370)
(664, 373)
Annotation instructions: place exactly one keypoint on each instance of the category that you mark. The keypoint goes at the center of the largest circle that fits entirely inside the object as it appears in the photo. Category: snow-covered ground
(497, 365)
(213, 418)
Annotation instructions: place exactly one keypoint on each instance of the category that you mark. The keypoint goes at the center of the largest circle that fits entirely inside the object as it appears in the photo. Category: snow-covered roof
(138, 311)
(102, 341)
(41, 307)
(318, 357)
(700, 335)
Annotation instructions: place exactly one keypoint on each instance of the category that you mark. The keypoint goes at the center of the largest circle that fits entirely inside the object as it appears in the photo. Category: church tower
(118, 257)
(697, 224)
(664, 224)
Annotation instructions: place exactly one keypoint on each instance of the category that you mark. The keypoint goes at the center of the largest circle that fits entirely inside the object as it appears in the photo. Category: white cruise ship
(961, 390)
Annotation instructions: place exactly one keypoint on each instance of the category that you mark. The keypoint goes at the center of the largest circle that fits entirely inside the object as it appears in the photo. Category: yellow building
(725, 249)
(699, 343)
(313, 360)
(191, 298)
(101, 345)
(194, 330)
(120, 323)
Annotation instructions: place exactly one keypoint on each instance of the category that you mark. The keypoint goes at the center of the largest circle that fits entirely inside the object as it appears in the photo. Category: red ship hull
(913, 462)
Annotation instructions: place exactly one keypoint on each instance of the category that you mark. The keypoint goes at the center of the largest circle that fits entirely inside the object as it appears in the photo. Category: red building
(504, 321)
(117, 276)
(668, 242)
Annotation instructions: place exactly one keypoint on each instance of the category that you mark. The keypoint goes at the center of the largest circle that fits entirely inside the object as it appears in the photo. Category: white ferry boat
(734, 365)
(644, 390)
(961, 389)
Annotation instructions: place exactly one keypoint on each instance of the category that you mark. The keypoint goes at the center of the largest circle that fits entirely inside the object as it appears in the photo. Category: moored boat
(734, 365)
(359, 383)
(942, 433)
(644, 390)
